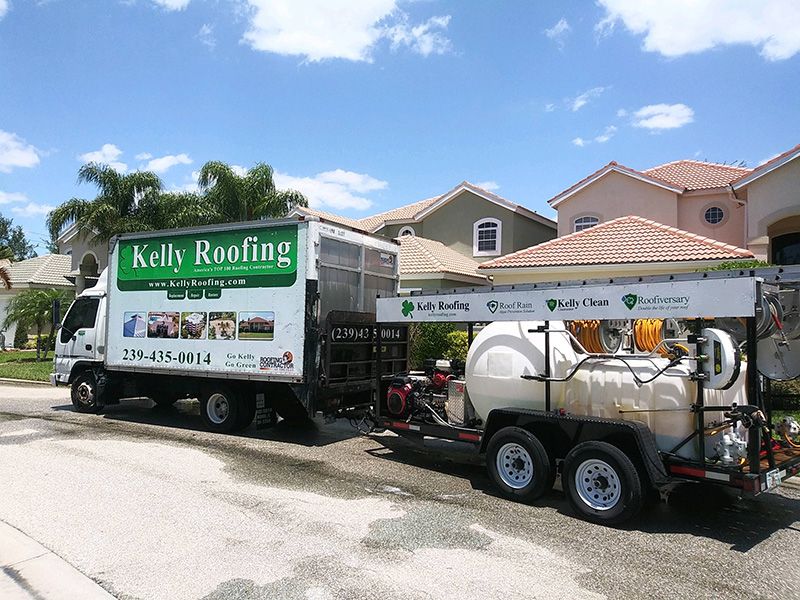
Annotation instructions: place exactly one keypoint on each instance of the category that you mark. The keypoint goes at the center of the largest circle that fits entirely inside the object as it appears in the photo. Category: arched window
(406, 230)
(586, 222)
(487, 237)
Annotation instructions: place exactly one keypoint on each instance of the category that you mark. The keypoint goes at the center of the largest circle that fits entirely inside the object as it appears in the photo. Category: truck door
(78, 335)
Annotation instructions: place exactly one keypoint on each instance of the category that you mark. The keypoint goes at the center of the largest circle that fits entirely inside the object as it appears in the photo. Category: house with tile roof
(39, 273)
(757, 209)
(455, 231)
(625, 246)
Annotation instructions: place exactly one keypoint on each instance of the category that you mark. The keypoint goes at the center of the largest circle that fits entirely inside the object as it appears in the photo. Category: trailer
(252, 318)
(622, 386)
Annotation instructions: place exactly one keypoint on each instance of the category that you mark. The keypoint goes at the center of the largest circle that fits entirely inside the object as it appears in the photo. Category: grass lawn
(21, 364)
(246, 335)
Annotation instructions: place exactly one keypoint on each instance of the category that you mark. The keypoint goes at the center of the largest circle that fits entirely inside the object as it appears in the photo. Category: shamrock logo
(492, 305)
(630, 300)
(551, 304)
(408, 309)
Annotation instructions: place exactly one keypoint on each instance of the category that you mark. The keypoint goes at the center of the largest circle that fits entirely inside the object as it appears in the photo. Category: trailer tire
(219, 409)
(602, 484)
(519, 465)
(85, 393)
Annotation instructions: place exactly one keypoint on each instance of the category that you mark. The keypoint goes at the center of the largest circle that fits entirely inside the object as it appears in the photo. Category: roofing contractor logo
(492, 306)
(552, 303)
(408, 309)
(630, 300)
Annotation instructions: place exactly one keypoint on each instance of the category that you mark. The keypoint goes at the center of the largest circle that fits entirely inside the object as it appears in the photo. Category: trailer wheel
(601, 483)
(519, 465)
(85, 393)
(219, 409)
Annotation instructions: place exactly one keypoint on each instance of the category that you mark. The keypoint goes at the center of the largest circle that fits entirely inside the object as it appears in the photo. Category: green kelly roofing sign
(265, 257)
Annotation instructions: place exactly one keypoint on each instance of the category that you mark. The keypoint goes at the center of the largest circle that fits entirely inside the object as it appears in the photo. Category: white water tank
(504, 351)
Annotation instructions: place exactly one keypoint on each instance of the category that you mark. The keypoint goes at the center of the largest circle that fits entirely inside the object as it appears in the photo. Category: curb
(9, 380)
(29, 570)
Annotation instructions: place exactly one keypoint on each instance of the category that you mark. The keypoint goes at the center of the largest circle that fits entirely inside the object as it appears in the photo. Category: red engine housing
(399, 397)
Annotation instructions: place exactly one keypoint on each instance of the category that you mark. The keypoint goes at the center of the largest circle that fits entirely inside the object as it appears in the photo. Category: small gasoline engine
(424, 394)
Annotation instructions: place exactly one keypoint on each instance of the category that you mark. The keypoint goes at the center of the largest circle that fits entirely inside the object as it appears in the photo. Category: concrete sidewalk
(29, 570)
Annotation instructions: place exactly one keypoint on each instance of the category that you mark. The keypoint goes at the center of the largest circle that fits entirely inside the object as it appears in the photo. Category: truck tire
(219, 409)
(247, 411)
(85, 393)
(519, 465)
(601, 483)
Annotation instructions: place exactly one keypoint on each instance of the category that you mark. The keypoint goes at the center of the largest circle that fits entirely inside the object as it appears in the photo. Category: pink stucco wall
(691, 217)
(616, 195)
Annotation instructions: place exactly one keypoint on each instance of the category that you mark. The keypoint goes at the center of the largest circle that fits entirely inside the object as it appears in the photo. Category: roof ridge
(378, 215)
(763, 167)
(697, 162)
(427, 251)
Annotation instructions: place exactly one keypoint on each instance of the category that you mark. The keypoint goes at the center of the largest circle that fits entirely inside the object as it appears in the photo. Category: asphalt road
(150, 506)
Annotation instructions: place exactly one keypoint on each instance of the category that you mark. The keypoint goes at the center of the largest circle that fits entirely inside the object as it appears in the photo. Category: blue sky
(368, 105)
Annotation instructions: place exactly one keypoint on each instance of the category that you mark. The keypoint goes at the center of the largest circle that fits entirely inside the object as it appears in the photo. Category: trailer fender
(560, 433)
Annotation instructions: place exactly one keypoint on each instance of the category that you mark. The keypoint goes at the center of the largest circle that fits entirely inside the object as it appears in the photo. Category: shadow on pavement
(185, 415)
(706, 511)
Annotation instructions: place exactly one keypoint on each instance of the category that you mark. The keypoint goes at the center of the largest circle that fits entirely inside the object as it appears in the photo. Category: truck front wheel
(601, 483)
(85, 393)
(519, 465)
(219, 409)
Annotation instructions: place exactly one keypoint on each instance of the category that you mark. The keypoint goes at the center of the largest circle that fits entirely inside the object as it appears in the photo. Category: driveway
(150, 506)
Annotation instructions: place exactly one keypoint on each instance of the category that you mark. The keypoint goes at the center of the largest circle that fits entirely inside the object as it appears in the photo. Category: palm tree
(235, 197)
(114, 210)
(35, 307)
(5, 276)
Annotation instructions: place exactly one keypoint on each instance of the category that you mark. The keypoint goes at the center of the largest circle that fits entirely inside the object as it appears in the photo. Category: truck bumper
(57, 379)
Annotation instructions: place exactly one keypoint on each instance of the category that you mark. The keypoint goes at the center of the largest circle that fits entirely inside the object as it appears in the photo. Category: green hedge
(435, 340)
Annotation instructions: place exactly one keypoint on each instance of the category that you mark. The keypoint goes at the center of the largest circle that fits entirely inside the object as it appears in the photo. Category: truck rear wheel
(519, 465)
(219, 409)
(601, 483)
(85, 393)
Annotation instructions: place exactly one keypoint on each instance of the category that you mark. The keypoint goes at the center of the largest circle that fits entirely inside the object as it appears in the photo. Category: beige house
(87, 259)
(39, 273)
(622, 247)
(758, 209)
(456, 231)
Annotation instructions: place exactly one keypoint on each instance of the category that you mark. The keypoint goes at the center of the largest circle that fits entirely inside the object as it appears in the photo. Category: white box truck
(280, 312)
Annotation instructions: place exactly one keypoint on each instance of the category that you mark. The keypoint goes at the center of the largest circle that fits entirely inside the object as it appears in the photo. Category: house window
(582, 223)
(714, 215)
(786, 249)
(407, 230)
(487, 237)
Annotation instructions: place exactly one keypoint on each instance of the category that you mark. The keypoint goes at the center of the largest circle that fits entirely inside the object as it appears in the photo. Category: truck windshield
(82, 313)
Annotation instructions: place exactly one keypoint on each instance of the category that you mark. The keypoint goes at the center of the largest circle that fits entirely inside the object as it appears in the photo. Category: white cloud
(761, 162)
(622, 113)
(107, 155)
(607, 134)
(206, 36)
(337, 189)
(9, 197)
(491, 186)
(663, 116)
(172, 4)
(165, 163)
(580, 142)
(358, 182)
(3, 8)
(239, 170)
(559, 32)
(16, 152)
(424, 38)
(583, 99)
(326, 29)
(32, 209)
(143, 156)
(680, 27)
(549, 107)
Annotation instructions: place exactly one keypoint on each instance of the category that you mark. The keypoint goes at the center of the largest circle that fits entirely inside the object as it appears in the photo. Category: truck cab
(80, 342)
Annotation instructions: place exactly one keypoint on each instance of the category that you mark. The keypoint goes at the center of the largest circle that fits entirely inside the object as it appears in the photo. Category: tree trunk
(49, 342)
(38, 342)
